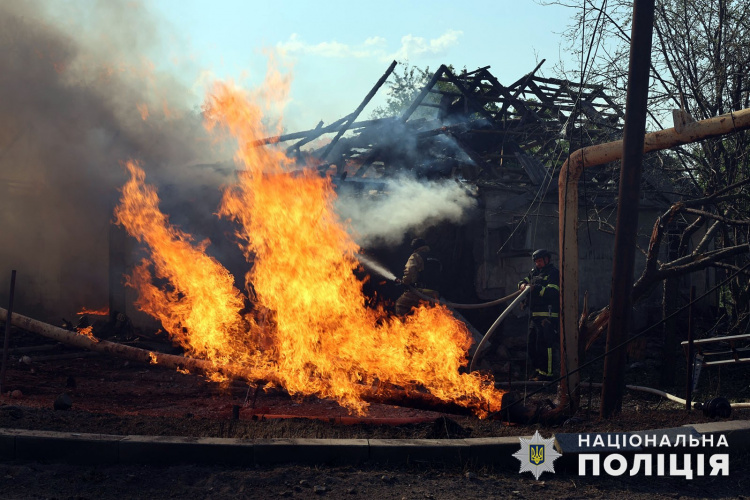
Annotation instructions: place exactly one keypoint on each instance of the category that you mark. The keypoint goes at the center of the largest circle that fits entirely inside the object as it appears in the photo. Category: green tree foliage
(402, 89)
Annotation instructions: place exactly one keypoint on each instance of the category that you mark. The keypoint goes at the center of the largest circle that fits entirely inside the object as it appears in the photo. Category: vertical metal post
(627, 210)
(690, 353)
(7, 329)
(570, 175)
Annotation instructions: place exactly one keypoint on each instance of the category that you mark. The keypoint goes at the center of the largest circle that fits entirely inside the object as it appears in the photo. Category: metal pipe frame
(570, 174)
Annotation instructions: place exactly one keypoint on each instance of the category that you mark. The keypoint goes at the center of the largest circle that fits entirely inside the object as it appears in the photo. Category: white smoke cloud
(332, 49)
(374, 47)
(415, 46)
(405, 205)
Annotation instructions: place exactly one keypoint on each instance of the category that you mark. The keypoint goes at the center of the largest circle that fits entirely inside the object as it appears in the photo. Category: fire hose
(715, 407)
(519, 296)
(454, 305)
(516, 296)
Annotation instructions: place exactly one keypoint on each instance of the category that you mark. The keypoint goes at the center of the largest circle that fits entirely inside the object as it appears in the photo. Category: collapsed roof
(470, 127)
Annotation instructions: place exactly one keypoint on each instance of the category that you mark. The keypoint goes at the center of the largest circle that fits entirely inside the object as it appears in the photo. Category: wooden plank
(317, 132)
(422, 94)
(726, 353)
(298, 135)
(534, 88)
(333, 127)
(745, 336)
(476, 71)
(548, 101)
(557, 81)
(469, 96)
(469, 82)
(359, 109)
(620, 113)
(512, 97)
(522, 81)
(726, 362)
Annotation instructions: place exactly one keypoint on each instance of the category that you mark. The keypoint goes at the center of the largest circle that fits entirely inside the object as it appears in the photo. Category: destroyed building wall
(512, 231)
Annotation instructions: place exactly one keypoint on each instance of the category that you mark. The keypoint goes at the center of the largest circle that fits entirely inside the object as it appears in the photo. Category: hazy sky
(338, 49)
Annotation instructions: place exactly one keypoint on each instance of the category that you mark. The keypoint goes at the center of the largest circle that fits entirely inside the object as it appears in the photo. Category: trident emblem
(533, 455)
(536, 453)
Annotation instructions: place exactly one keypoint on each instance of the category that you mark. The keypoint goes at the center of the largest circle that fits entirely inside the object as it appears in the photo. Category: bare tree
(700, 69)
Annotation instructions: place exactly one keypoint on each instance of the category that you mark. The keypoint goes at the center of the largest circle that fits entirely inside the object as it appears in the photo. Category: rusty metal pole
(626, 228)
(7, 329)
(690, 354)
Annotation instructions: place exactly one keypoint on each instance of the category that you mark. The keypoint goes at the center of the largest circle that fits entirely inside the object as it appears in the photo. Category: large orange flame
(201, 307)
(310, 331)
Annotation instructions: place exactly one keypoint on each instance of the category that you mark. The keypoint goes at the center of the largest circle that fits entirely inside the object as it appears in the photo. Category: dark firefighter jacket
(545, 296)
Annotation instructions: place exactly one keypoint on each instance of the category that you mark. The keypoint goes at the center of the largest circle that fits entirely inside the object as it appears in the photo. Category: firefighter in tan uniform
(422, 272)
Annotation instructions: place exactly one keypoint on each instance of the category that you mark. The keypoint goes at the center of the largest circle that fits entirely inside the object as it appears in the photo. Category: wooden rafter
(526, 117)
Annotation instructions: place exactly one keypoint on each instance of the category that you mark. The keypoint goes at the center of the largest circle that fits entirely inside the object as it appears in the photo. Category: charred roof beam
(359, 109)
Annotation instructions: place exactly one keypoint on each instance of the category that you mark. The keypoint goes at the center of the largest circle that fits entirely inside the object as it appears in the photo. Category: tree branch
(731, 222)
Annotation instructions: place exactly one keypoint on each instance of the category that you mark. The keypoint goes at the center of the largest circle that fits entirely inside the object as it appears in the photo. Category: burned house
(502, 146)
(506, 144)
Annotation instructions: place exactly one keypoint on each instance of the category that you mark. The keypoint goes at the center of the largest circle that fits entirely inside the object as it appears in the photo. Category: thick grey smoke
(76, 85)
(404, 205)
(84, 90)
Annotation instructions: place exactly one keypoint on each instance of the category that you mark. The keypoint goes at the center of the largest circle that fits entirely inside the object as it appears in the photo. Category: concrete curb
(77, 448)
(17, 444)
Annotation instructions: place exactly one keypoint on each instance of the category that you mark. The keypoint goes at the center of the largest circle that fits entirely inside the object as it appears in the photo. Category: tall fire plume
(302, 322)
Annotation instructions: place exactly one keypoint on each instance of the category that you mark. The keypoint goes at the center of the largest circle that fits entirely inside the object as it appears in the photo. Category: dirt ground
(34, 480)
(113, 396)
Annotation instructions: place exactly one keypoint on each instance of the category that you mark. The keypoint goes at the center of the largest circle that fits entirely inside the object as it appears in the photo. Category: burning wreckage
(306, 322)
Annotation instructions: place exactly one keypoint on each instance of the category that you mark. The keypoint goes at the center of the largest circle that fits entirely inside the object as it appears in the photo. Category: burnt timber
(468, 125)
